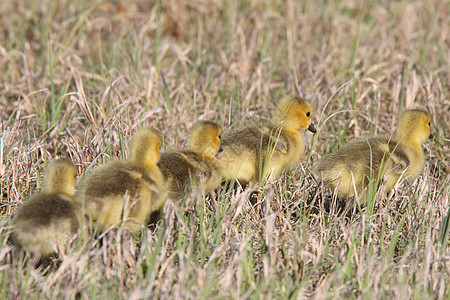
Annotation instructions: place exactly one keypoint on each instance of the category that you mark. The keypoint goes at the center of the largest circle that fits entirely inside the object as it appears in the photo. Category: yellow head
(205, 138)
(414, 126)
(145, 147)
(60, 177)
(294, 114)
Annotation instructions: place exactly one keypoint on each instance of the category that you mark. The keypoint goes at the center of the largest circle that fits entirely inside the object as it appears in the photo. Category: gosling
(260, 153)
(197, 164)
(127, 192)
(391, 159)
(48, 220)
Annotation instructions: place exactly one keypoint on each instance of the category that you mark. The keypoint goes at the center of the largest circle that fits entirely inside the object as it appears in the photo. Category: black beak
(431, 136)
(220, 149)
(312, 128)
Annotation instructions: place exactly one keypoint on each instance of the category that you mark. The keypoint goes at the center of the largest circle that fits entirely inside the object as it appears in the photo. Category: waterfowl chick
(48, 220)
(197, 163)
(127, 191)
(259, 153)
(349, 169)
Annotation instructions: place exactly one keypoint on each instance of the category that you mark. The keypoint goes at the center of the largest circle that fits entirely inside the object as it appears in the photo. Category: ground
(77, 78)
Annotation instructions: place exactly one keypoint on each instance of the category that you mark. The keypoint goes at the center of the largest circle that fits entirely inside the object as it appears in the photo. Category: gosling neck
(60, 187)
(411, 142)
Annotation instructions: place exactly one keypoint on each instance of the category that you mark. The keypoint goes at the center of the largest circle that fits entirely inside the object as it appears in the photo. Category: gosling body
(127, 192)
(48, 220)
(260, 153)
(197, 164)
(350, 169)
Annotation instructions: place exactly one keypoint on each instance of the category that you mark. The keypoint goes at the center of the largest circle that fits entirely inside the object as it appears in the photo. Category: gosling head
(414, 126)
(60, 177)
(145, 147)
(205, 138)
(294, 114)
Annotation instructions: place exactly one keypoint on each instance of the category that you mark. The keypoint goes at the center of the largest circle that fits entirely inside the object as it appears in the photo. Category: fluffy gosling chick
(49, 219)
(127, 191)
(349, 169)
(261, 153)
(198, 163)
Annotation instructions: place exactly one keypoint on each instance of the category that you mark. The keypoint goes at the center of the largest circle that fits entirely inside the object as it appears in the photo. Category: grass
(78, 77)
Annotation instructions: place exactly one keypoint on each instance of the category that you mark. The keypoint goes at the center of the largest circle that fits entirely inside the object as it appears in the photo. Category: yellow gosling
(127, 192)
(47, 221)
(350, 169)
(260, 153)
(197, 164)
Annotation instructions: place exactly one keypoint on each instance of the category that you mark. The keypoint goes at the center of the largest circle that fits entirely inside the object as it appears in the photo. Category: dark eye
(429, 123)
(308, 114)
(220, 136)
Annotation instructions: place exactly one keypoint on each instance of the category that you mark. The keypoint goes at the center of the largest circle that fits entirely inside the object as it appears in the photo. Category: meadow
(78, 77)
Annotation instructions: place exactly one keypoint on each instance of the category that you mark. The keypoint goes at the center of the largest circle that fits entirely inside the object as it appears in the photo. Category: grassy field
(78, 77)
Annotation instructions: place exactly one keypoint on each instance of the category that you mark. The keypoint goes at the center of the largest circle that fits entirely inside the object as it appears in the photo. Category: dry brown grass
(78, 77)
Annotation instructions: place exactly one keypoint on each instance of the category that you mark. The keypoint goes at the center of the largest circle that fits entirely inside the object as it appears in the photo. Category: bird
(125, 193)
(381, 158)
(259, 153)
(49, 219)
(197, 164)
